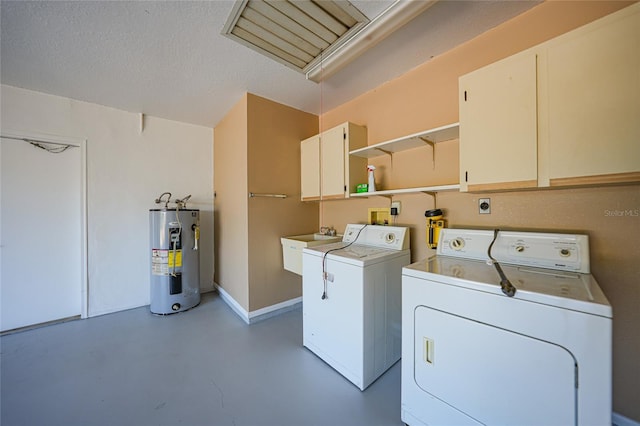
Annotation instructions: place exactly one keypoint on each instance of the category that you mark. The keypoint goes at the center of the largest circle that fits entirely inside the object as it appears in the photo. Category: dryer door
(493, 375)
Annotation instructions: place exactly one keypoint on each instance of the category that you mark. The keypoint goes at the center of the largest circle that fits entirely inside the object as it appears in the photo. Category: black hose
(505, 284)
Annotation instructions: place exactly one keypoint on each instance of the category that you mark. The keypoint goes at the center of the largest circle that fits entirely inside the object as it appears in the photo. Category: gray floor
(201, 367)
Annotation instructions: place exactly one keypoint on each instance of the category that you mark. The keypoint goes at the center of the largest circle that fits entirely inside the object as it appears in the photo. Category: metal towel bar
(251, 195)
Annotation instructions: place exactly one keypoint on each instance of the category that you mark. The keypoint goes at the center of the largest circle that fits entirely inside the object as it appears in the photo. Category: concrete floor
(201, 367)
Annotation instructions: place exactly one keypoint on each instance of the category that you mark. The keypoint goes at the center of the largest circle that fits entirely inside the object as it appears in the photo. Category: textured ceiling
(168, 58)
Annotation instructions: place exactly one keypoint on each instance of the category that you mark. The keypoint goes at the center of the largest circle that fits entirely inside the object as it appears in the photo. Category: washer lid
(566, 290)
(355, 254)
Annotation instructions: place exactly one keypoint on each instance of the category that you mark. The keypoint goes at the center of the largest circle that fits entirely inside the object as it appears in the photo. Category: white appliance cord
(324, 262)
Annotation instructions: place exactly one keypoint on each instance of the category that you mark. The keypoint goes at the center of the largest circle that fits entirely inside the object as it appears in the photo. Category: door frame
(82, 145)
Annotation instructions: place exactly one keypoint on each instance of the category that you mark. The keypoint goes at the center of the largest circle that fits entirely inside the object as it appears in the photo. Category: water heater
(175, 261)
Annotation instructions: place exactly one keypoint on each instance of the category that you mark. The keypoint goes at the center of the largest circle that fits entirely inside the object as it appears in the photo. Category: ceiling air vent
(294, 32)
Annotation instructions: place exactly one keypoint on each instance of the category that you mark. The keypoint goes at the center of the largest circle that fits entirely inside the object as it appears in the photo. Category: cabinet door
(498, 125)
(355, 167)
(310, 169)
(593, 102)
(333, 154)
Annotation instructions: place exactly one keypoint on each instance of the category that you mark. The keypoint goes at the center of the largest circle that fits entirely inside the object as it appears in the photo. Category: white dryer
(473, 355)
(351, 300)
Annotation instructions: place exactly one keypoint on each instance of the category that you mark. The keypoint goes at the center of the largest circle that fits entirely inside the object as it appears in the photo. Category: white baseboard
(260, 314)
(273, 310)
(231, 302)
(620, 420)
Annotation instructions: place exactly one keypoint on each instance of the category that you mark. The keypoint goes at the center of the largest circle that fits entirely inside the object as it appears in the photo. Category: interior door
(41, 231)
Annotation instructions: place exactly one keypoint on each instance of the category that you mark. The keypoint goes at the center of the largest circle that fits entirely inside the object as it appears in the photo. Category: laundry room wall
(127, 168)
(231, 201)
(257, 150)
(427, 97)
(275, 132)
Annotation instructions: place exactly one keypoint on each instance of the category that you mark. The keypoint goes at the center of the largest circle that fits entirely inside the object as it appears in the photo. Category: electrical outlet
(484, 205)
(395, 208)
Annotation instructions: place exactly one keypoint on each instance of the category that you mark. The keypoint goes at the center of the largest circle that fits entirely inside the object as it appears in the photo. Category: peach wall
(257, 149)
(230, 203)
(426, 97)
(273, 158)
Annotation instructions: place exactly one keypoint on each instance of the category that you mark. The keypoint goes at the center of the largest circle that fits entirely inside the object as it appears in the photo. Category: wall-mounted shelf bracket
(432, 144)
(433, 195)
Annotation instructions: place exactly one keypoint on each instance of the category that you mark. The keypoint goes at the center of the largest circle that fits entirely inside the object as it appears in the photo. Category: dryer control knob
(457, 243)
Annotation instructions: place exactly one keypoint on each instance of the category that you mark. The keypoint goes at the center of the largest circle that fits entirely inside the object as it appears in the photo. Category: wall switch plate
(484, 205)
(395, 208)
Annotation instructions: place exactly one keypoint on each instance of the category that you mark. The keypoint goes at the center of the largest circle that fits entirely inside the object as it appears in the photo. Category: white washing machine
(473, 355)
(351, 300)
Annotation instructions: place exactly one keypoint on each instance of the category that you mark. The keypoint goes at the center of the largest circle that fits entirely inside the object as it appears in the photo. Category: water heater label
(175, 259)
(163, 261)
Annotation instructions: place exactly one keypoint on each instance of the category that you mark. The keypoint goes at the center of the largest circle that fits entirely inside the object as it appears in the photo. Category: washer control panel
(566, 252)
(390, 237)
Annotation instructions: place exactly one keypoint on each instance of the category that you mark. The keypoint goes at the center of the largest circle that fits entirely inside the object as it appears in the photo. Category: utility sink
(322, 237)
(292, 248)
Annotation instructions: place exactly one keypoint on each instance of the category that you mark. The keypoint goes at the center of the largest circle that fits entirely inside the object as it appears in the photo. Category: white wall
(126, 170)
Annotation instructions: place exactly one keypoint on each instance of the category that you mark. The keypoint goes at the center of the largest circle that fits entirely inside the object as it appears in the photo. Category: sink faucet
(326, 230)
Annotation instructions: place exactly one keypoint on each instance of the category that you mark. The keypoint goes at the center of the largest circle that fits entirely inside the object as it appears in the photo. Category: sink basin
(318, 236)
(292, 248)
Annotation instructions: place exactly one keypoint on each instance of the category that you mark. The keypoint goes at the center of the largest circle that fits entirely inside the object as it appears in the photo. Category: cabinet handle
(465, 96)
(466, 176)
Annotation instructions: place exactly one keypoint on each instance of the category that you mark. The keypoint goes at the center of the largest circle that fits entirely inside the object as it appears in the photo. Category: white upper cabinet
(333, 163)
(328, 172)
(563, 113)
(591, 102)
(498, 125)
